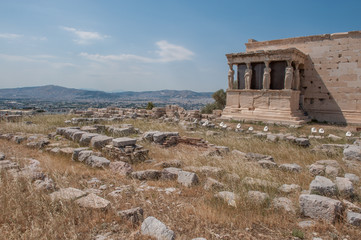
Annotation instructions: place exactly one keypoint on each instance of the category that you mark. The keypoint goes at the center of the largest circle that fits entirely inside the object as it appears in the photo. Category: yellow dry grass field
(28, 213)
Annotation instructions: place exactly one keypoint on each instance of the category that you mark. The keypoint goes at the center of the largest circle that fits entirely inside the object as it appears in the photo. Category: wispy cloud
(43, 59)
(10, 35)
(166, 52)
(170, 52)
(83, 37)
(16, 58)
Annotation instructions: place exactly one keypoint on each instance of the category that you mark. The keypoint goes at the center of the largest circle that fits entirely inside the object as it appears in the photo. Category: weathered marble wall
(331, 86)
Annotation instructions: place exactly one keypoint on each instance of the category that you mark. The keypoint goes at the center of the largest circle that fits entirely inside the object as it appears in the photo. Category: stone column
(266, 76)
(248, 76)
(230, 76)
(289, 75)
(296, 85)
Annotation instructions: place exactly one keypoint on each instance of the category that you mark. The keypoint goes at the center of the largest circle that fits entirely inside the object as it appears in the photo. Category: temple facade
(291, 81)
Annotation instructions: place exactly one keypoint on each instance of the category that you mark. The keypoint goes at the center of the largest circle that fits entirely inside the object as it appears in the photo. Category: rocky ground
(169, 179)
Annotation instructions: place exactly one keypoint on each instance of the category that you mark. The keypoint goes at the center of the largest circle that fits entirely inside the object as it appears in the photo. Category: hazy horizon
(114, 91)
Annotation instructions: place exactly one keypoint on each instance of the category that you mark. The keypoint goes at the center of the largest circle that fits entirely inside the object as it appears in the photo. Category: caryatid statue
(230, 76)
(289, 76)
(248, 76)
(297, 78)
(267, 76)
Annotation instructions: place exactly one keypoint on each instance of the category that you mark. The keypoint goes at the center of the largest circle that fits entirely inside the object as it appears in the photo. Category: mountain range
(58, 93)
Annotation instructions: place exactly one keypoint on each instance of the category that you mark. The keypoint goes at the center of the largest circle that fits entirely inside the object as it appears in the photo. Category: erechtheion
(294, 80)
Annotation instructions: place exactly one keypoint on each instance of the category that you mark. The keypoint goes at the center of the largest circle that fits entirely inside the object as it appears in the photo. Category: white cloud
(121, 57)
(43, 56)
(10, 35)
(170, 52)
(167, 53)
(83, 37)
(43, 59)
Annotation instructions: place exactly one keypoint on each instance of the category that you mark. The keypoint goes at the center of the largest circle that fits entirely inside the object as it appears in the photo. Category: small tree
(220, 98)
(150, 106)
(220, 102)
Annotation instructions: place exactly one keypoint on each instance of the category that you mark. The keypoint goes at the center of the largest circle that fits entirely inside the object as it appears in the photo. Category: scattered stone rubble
(323, 201)
(123, 148)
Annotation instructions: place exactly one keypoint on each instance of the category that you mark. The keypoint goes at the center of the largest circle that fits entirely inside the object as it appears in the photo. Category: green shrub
(220, 102)
(150, 106)
(298, 233)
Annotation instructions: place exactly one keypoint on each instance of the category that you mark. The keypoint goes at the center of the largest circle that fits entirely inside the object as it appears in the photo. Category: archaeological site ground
(169, 173)
(180, 120)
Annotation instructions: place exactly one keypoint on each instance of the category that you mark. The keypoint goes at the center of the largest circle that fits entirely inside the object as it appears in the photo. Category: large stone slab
(149, 135)
(320, 207)
(76, 153)
(290, 188)
(84, 155)
(98, 142)
(354, 218)
(352, 152)
(68, 133)
(344, 186)
(124, 141)
(187, 179)
(93, 201)
(323, 186)
(213, 184)
(172, 163)
(146, 174)
(121, 168)
(257, 197)
(304, 142)
(77, 136)
(95, 161)
(283, 204)
(290, 167)
(267, 164)
(86, 138)
(352, 177)
(159, 137)
(155, 228)
(124, 131)
(67, 194)
(134, 215)
(229, 197)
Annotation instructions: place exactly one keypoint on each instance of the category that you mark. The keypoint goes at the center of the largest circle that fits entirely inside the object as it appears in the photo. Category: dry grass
(42, 124)
(192, 213)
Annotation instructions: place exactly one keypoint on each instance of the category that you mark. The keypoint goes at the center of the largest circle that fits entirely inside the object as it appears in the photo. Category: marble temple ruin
(294, 80)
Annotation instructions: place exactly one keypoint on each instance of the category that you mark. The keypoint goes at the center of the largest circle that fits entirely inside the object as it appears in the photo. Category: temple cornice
(289, 54)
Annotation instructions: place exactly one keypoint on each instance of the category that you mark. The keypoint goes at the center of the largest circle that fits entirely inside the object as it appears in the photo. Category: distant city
(55, 99)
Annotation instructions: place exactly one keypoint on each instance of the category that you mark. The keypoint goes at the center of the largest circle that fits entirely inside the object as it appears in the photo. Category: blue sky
(143, 45)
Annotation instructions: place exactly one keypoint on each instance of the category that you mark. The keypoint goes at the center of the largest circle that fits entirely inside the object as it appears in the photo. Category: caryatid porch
(266, 86)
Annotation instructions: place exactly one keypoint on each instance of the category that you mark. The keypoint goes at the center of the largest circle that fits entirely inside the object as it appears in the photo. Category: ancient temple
(291, 81)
